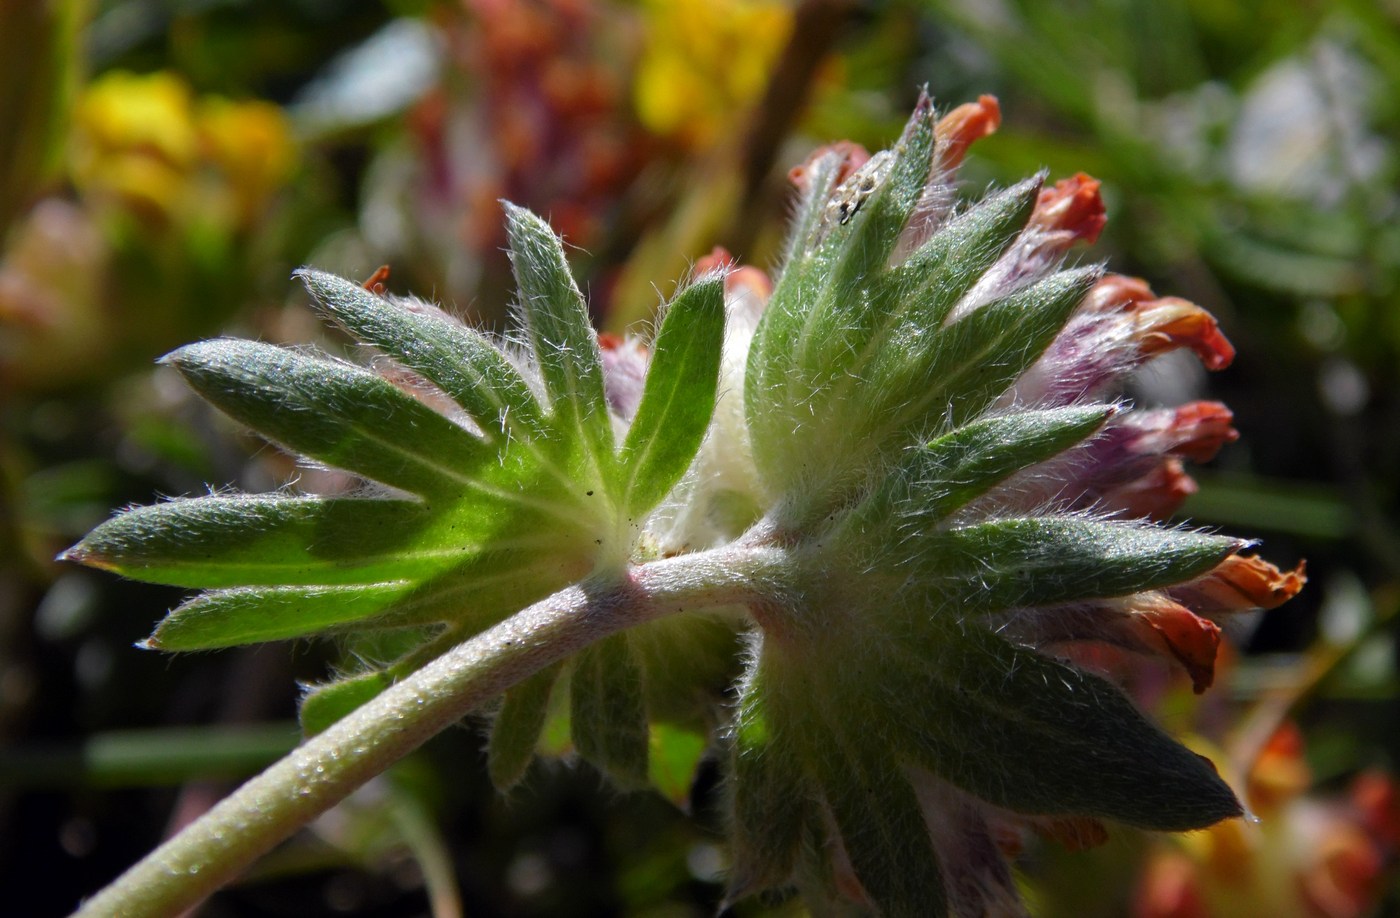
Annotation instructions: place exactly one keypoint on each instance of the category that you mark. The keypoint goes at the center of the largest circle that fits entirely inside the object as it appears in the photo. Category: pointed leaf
(963, 368)
(608, 711)
(515, 733)
(819, 179)
(227, 618)
(966, 463)
(1050, 739)
(1046, 560)
(870, 223)
(266, 540)
(923, 290)
(679, 397)
(561, 336)
(824, 383)
(881, 824)
(340, 414)
(458, 359)
(323, 705)
(770, 796)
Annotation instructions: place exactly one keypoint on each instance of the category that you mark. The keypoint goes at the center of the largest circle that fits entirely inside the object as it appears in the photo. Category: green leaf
(515, 733)
(1046, 560)
(227, 618)
(851, 356)
(561, 336)
(820, 178)
(608, 713)
(881, 823)
(769, 797)
(267, 540)
(1048, 738)
(679, 397)
(870, 226)
(961, 370)
(964, 464)
(340, 414)
(459, 360)
(922, 291)
(820, 315)
(323, 705)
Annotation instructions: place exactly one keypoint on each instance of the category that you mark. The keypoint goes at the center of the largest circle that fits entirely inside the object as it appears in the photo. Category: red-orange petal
(737, 279)
(1116, 293)
(1170, 888)
(719, 259)
(377, 283)
(962, 127)
(1170, 322)
(1344, 879)
(1072, 206)
(1242, 582)
(1376, 798)
(1205, 427)
(1192, 640)
(1156, 495)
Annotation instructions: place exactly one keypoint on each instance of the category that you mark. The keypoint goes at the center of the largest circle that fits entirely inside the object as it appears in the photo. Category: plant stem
(328, 767)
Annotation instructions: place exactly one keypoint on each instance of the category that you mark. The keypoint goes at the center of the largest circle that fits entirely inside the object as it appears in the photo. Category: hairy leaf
(561, 337)
(965, 366)
(515, 732)
(1093, 752)
(608, 711)
(881, 824)
(459, 360)
(323, 705)
(679, 397)
(769, 801)
(227, 618)
(265, 540)
(962, 465)
(921, 292)
(1048, 560)
(335, 412)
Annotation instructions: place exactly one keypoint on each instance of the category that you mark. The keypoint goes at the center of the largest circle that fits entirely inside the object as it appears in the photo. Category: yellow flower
(251, 144)
(704, 61)
(146, 144)
(135, 140)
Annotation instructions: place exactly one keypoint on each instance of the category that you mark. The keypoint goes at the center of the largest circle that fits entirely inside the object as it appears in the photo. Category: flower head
(933, 426)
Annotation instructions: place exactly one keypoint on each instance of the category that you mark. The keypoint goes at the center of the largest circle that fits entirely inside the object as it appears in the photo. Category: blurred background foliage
(165, 164)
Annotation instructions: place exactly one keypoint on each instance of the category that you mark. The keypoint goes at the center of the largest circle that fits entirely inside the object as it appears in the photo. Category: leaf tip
(518, 217)
(186, 356)
(327, 289)
(78, 554)
(85, 554)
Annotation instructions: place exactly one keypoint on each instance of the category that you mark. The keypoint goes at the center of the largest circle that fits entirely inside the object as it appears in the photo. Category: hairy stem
(328, 767)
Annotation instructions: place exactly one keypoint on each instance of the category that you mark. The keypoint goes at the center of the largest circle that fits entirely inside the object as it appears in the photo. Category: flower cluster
(930, 423)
